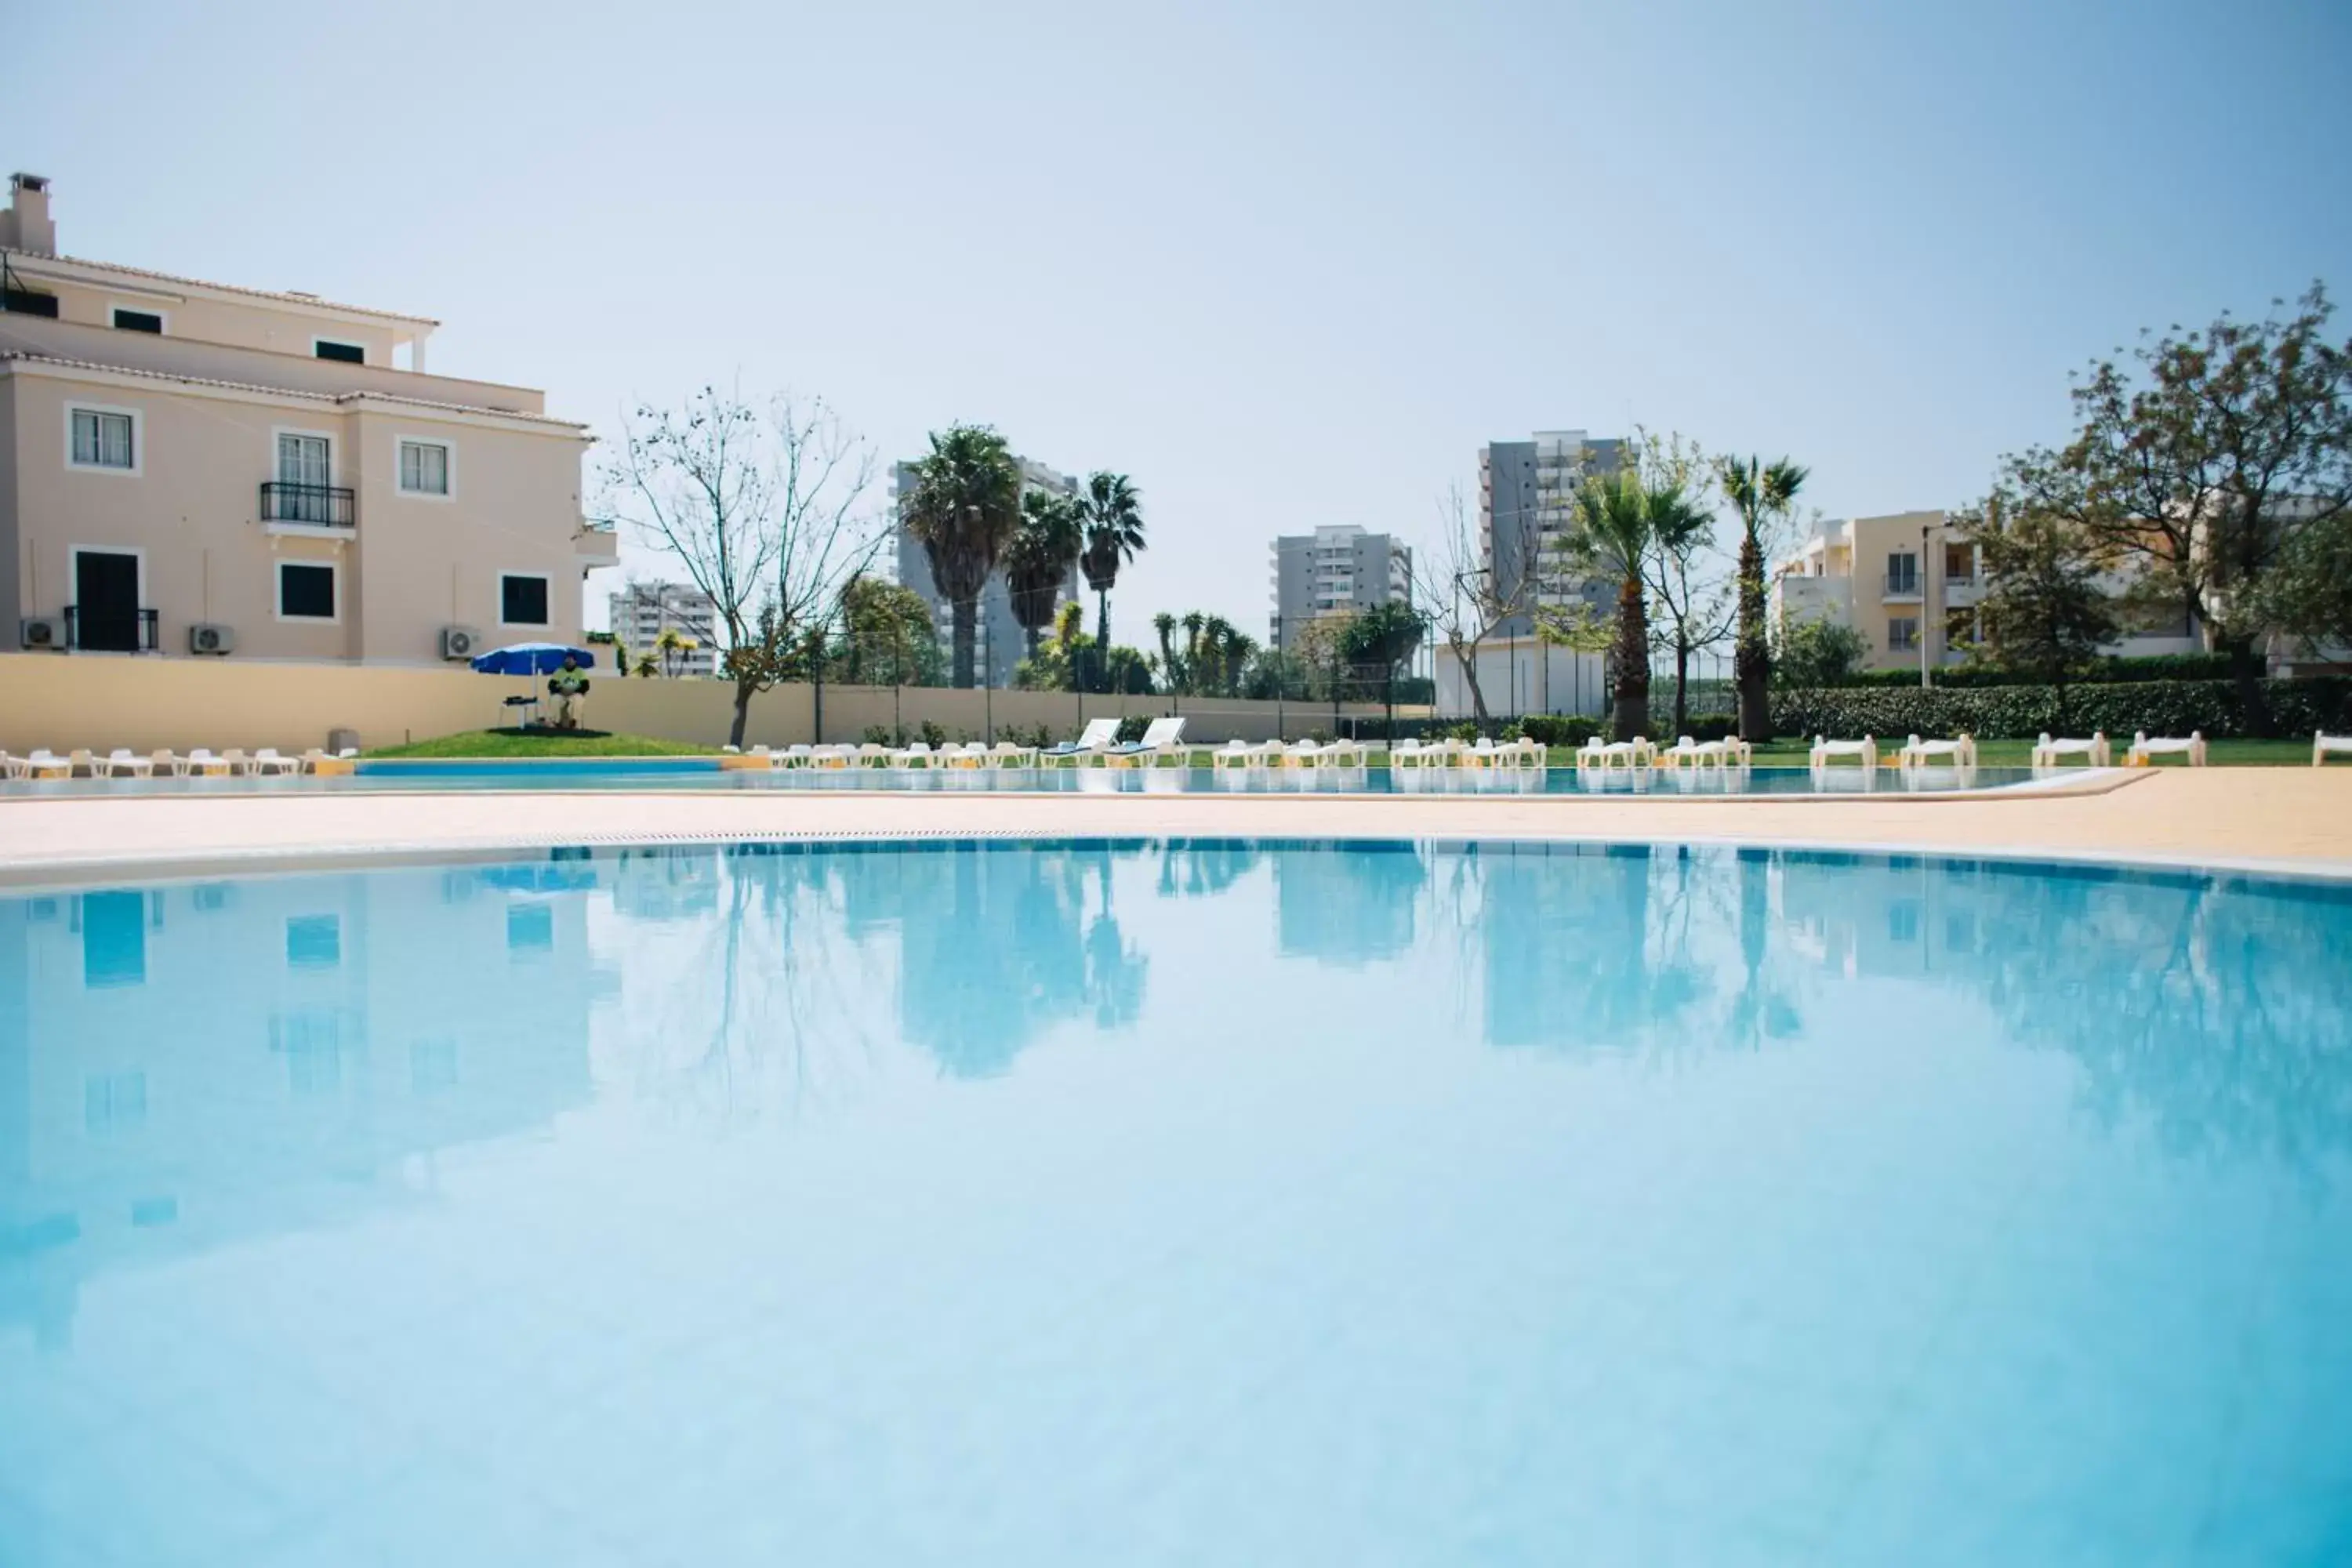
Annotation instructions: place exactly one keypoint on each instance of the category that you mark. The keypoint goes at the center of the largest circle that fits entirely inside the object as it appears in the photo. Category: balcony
(1901, 586)
(596, 543)
(308, 509)
(94, 630)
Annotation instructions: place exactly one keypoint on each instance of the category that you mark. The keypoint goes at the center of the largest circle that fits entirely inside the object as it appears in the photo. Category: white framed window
(336, 348)
(309, 591)
(525, 598)
(104, 438)
(139, 319)
(423, 468)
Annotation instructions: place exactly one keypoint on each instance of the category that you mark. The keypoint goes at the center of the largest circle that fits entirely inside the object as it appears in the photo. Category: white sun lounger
(267, 760)
(1687, 752)
(205, 764)
(1097, 735)
(1637, 753)
(2094, 751)
(2145, 746)
(1919, 753)
(125, 763)
(14, 767)
(1241, 756)
(1307, 754)
(1160, 739)
(2322, 743)
(1826, 750)
(45, 763)
(1411, 752)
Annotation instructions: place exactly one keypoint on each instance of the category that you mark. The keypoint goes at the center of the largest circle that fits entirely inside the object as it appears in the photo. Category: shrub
(1131, 728)
(2117, 707)
(2106, 671)
(1559, 729)
(933, 735)
(879, 735)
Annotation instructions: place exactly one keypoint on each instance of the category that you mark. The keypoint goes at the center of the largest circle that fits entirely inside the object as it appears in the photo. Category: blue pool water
(1177, 1202)
(659, 774)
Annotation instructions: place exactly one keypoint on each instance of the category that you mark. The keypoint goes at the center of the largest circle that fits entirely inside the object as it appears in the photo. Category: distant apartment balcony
(308, 509)
(597, 542)
(1901, 586)
(1797, 599)
(97, 630)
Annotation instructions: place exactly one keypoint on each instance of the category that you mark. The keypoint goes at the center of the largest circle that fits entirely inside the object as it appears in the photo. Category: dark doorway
(106, 601)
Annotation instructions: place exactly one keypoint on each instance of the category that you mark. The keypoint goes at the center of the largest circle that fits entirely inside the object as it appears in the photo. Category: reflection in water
(1347, 905)
(250, 1054)
(797, 1154)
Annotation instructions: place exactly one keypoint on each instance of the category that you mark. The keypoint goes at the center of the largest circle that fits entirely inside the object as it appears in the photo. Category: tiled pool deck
(2277, 818)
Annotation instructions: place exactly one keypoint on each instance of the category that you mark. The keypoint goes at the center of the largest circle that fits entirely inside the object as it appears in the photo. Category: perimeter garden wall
(101, 701)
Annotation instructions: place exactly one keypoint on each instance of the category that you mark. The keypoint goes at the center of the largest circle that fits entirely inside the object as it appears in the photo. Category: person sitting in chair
(568, 686)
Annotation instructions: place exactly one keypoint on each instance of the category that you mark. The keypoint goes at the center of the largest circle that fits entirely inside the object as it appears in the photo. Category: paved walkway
(2284, 818)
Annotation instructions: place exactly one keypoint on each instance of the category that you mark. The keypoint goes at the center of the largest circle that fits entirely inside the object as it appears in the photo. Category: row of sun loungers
(122, 762)
(2049, 751)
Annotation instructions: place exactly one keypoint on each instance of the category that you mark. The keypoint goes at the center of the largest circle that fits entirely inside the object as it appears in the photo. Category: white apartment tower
(642, 612)
(1337, 570)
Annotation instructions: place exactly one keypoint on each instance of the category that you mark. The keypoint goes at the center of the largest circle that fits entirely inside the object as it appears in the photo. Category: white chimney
(26, 224)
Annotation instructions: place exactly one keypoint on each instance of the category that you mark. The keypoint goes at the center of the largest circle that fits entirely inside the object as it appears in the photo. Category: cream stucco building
(1909, 584)
(190, 470)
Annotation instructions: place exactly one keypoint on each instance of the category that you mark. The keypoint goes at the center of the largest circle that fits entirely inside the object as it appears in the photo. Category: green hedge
(2119, 708)
(2106, 672)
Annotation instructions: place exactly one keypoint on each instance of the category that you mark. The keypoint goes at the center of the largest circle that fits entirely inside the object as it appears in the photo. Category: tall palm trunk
(1752, 661)
(1631, 714)
(1102, 640)
(962, 628)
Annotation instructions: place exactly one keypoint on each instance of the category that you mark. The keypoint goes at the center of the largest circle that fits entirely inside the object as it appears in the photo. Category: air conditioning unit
(459, 642)
(42, 632)
(206, 637)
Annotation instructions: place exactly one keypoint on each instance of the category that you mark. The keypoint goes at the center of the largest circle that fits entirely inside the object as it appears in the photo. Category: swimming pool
(1208, 1201)
(702, 773)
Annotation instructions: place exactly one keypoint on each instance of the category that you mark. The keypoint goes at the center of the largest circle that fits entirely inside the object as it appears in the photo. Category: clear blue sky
(1285, 265)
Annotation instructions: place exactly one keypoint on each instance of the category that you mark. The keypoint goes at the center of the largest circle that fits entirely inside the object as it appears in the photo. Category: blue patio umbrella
(531, 658)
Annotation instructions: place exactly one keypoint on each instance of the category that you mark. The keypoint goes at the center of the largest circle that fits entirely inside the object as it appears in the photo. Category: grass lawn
(512, 744)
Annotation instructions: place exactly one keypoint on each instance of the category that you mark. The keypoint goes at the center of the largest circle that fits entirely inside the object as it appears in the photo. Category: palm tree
(1164, 624)
(964, 509)
(1761, 493)
(672, 648)
(1040, 558)
(1113, 511)
(1233, 647)
(1613, 511)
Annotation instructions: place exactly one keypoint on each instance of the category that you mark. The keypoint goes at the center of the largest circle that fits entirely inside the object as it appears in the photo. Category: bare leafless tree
(1462, 599)
(766, 515)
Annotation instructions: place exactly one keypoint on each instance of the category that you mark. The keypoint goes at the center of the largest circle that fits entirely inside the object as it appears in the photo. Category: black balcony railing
(320, 506)
(1902, 586)
(109, 631)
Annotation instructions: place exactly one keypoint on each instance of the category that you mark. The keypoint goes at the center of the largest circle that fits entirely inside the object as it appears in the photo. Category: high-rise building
(1335, 571)
(1000, 643)
(643, 611)
(1527, 511)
